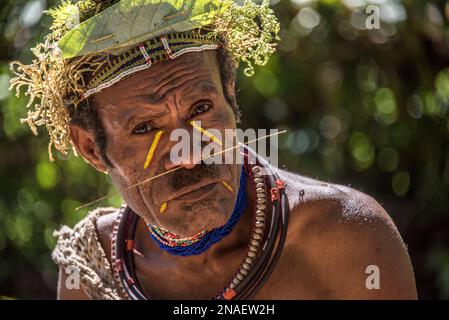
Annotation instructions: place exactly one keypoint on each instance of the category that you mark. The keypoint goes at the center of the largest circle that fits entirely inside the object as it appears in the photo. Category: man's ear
(84, 142)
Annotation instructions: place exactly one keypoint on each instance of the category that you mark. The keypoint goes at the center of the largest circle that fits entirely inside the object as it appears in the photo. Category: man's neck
(215, 256)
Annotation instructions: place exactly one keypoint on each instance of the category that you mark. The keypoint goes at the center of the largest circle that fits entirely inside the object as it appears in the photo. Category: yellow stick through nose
(205, 132)
(153, 146)
(227, 186)
(163, 207)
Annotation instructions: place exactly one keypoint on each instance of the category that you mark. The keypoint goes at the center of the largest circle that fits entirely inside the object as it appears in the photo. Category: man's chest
(292, 278)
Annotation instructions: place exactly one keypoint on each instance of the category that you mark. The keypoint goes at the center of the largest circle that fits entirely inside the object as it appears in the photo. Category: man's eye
(142, 129)
(201, 108)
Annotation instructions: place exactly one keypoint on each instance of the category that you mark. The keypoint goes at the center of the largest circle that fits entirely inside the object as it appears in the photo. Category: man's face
(168, 96)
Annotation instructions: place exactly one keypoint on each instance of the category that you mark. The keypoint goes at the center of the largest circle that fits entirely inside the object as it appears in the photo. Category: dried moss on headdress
(250, 32)
(52, 83)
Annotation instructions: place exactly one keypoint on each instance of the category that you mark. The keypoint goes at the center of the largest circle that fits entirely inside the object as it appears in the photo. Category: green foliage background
(366, 108)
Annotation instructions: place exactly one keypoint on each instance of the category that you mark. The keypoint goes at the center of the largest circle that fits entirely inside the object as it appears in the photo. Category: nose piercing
(163, 207)
(206, 133)
(153, 146)
(227, 186)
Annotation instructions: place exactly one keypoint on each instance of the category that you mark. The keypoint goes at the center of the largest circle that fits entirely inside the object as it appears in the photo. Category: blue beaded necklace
(214, 235)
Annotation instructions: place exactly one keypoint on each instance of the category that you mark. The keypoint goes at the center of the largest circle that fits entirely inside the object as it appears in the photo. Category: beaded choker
(200, 242)
(264, 245)
(168, 239)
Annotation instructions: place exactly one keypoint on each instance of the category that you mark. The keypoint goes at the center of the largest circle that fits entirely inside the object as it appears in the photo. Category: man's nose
(181, 152)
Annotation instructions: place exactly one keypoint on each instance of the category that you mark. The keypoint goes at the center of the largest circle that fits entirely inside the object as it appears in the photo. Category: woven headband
(145, 55)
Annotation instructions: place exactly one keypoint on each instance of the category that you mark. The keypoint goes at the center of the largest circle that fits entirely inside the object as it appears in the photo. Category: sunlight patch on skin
(150, 154)
(205, 132)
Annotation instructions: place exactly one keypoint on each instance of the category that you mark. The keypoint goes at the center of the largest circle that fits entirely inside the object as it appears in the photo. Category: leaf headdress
(74, 58)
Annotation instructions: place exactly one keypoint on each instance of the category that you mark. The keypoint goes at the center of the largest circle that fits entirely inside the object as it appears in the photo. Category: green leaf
(129, 22)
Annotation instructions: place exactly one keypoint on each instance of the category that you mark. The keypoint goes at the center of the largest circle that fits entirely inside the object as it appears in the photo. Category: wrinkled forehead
(197, 71)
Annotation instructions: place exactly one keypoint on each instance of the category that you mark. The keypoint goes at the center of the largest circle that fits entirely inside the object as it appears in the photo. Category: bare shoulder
(312, 200)
(347, 235)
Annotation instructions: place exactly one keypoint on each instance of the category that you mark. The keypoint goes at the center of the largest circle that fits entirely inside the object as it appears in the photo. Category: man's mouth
(195, 192)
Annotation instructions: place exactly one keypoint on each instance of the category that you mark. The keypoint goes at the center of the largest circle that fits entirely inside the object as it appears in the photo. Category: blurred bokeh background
(363, 107)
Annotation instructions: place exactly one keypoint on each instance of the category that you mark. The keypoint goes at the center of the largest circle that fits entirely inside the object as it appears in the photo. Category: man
(191, 230)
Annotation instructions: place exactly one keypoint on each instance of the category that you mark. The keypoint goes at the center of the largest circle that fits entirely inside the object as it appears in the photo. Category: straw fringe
(51, 83)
